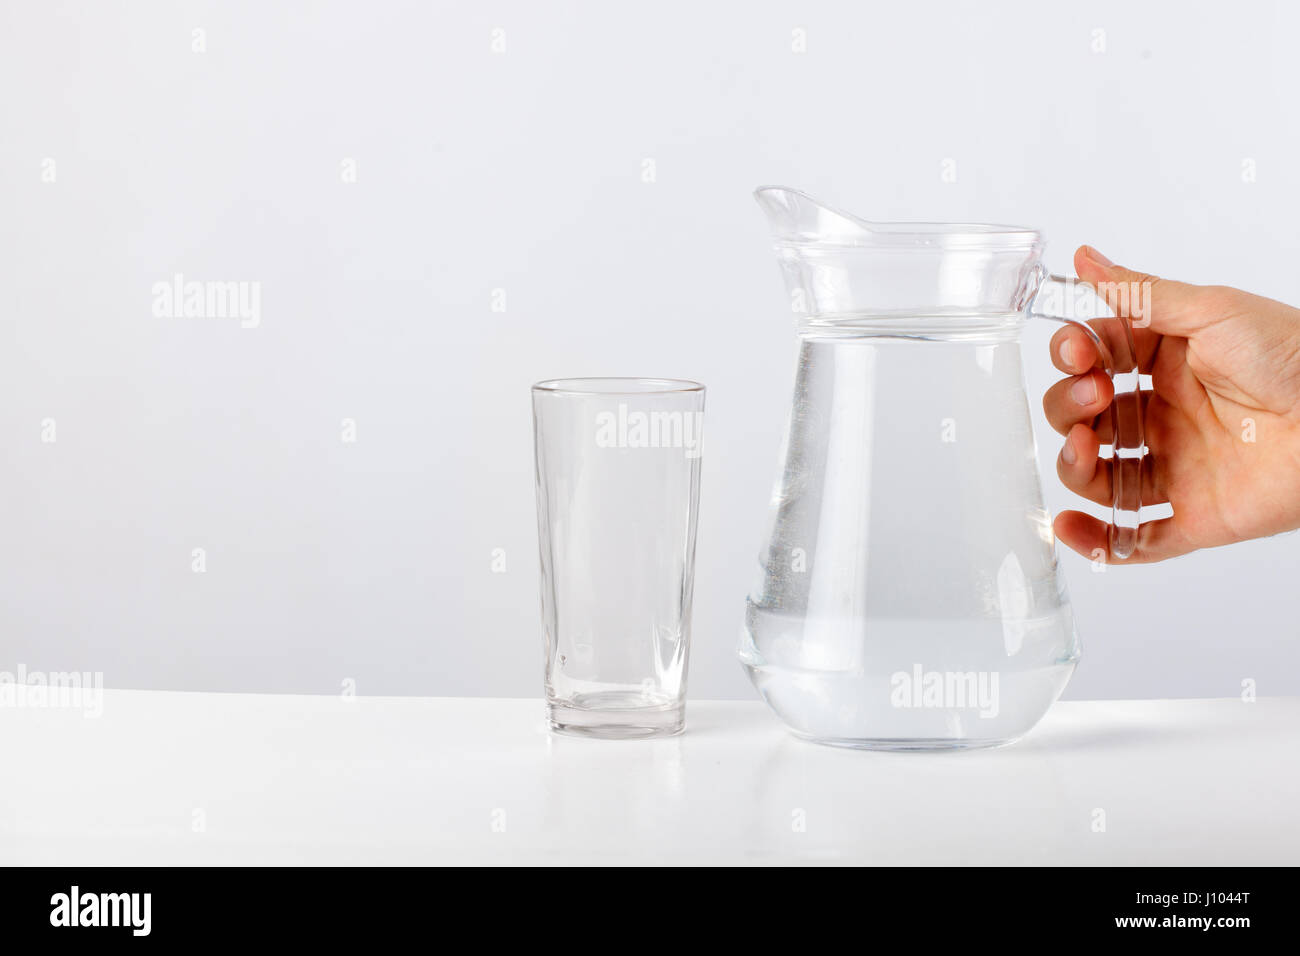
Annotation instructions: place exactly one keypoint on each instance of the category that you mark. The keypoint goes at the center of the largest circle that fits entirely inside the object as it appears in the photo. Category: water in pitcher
(908, 595)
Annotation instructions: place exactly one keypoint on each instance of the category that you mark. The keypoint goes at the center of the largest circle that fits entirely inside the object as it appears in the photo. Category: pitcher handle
(1113, 336)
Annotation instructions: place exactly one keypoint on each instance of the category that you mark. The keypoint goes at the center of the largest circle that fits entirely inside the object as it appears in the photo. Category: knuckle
(1217, 299)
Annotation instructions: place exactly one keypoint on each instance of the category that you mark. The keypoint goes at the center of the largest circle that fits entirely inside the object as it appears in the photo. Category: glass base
(615, 717)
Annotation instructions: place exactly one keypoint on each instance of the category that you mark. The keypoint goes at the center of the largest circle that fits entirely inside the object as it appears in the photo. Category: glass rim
(616, 385)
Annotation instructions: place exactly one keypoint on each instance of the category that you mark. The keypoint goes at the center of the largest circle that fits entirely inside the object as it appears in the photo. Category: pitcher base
(904, 745)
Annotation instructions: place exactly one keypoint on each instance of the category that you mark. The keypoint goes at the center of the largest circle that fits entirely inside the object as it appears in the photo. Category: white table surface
(174, 778)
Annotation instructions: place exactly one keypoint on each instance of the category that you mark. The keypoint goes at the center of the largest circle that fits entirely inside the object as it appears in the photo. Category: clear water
(908, 594)
(982, 696)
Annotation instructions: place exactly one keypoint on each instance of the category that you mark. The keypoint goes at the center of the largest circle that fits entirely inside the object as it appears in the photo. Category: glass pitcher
(909, 596)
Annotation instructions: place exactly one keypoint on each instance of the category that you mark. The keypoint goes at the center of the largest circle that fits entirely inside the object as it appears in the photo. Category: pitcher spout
(794, 216)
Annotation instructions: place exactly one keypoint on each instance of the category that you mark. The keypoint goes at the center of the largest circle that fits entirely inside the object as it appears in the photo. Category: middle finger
(1079, 398)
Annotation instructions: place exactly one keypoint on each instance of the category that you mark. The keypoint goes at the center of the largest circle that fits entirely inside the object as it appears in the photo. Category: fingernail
(1084, 391)
(1067, 453)
(1067, 350)
(1097, 257)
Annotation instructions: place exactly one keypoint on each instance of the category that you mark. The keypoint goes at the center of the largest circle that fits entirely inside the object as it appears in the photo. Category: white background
(522, 170)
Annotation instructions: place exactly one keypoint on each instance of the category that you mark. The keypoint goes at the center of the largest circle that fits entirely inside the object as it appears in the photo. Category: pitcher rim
(907, 235)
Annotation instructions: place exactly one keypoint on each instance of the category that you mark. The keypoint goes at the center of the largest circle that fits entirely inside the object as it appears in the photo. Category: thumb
(1162, 305)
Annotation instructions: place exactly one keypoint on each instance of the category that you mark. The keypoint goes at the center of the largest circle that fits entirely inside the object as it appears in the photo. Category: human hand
(1222, 419)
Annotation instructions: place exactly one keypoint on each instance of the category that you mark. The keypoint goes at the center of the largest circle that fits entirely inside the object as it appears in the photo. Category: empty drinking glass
(618, 481)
